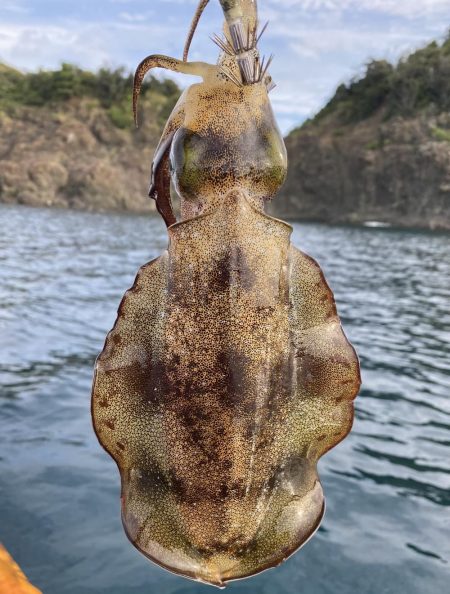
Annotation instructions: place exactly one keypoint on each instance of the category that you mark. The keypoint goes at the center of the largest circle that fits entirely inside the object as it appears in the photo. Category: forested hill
(380, 148)
(67, 137)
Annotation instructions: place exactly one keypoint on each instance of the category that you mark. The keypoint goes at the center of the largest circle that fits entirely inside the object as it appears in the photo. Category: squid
(227, 374)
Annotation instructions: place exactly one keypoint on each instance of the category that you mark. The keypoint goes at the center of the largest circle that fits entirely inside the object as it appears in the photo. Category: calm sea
(387, 526)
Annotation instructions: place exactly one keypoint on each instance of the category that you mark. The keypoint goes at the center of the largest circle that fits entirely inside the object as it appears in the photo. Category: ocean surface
(387, 526)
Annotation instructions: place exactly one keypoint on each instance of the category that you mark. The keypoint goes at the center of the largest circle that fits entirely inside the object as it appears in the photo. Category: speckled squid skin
(227, 374)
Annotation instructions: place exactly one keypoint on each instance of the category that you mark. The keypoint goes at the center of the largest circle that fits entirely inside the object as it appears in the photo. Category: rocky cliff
(395, 172)
(67, 143)
(73, 156)
(379, 150)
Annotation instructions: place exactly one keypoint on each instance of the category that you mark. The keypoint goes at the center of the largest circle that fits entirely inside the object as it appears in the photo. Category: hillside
(67, 138)
(379, 150)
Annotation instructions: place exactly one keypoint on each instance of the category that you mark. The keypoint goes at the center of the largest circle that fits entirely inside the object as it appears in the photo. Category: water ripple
(62, 275)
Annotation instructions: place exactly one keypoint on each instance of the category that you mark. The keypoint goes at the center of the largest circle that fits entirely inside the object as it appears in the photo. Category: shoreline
(369, 224)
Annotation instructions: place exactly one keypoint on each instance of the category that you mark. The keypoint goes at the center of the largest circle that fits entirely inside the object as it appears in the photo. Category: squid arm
(201, 69)
(160, 176)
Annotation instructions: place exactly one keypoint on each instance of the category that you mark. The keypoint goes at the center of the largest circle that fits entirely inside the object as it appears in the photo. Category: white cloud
(139, 17)
(89, 45)
(30, 47)
(321, 43)
(311, 43)
(403, 8)
(317, 43)
(14, 7)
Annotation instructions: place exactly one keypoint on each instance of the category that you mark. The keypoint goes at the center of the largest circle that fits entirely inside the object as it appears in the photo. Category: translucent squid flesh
(227, 374)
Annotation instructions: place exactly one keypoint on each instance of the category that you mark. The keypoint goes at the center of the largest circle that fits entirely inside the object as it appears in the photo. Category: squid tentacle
(198, 13)
(202, 69)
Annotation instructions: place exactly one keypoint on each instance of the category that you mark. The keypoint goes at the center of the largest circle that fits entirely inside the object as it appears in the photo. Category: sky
(317, 43)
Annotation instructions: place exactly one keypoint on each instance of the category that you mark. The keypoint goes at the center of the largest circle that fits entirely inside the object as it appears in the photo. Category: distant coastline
(67, 138)
(379, 151)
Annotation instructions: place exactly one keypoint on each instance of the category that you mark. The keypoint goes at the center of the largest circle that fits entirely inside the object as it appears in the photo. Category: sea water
(387, 525)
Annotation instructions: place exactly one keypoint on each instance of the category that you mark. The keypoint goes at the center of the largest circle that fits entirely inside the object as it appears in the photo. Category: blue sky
(317, 43)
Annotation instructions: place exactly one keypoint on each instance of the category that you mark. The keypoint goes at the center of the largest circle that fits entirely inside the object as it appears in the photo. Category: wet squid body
(227, 374)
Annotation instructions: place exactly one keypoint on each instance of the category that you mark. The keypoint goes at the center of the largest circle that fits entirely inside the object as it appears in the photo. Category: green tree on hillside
(419, 81)
(111, 88)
